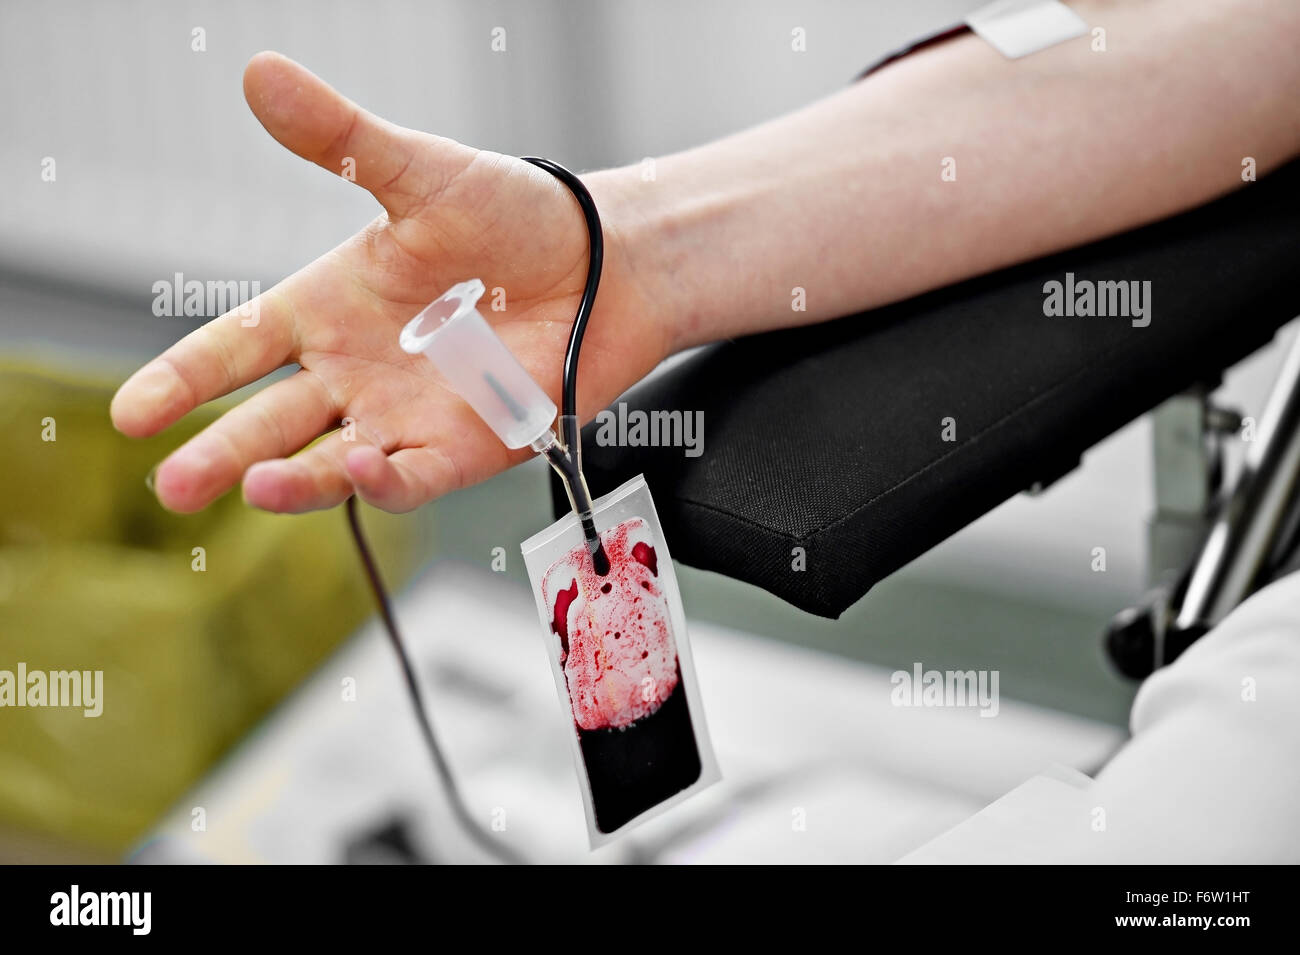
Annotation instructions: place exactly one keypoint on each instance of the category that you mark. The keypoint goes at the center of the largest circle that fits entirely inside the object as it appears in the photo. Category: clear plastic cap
(453, 335)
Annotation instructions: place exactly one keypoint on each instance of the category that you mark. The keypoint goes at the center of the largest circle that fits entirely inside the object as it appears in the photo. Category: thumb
(400, 167)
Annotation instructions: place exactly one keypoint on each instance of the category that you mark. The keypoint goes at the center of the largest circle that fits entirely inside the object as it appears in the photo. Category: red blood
(617, 648)
(560, 622)
(645, 554)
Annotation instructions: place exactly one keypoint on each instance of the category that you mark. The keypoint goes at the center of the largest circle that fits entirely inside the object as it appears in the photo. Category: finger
(278, 421)
(310, 481)
(228, 352)
(403, 480)
(400, 167)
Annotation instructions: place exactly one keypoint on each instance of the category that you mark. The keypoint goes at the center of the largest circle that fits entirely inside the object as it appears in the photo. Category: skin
(842, 198)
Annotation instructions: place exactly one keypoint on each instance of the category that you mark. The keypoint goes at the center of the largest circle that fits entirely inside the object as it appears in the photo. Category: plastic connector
(456, 338)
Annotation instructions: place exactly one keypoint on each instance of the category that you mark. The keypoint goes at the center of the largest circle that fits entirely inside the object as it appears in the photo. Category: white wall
(162, 168)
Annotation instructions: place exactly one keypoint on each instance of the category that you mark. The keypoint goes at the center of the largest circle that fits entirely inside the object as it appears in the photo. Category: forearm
(845, 199)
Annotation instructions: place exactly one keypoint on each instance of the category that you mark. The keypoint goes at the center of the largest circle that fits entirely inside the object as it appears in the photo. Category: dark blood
(636, 737)
(639, 766)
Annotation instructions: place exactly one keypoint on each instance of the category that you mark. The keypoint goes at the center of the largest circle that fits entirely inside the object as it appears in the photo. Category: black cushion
(830, 437)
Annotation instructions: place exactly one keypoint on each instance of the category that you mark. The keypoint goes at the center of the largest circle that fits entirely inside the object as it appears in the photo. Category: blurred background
(228, 731)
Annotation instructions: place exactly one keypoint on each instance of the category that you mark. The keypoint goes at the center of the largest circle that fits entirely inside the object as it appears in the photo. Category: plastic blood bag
(623, 668)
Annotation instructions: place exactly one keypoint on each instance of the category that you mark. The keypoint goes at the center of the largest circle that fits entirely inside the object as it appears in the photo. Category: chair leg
(1253, 521)
(1207, 555)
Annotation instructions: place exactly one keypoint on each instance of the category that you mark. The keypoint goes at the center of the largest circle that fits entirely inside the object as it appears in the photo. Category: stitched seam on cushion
(757, 525)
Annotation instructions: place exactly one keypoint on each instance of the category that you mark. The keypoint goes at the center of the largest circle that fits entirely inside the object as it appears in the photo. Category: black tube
(596, 241)
(570, 432)
(467, 822)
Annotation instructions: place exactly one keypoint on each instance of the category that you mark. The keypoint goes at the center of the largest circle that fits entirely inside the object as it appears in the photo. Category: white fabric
(1212, 773)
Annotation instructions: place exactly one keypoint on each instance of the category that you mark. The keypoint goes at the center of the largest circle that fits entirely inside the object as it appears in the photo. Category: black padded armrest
(830, 438)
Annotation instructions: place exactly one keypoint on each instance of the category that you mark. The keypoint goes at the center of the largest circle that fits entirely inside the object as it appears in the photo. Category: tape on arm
(1016, 28)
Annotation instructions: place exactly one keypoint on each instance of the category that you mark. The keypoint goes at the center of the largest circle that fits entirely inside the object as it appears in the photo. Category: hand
(452, 213)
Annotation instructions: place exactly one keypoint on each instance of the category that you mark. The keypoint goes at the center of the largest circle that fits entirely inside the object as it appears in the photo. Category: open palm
(452, 213)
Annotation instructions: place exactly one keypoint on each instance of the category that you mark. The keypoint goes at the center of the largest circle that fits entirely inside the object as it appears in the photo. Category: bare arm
(844, 198)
